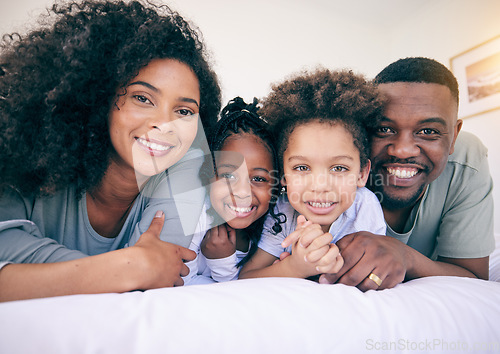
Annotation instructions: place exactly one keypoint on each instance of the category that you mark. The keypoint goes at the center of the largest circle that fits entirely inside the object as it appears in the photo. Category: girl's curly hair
(58, 83)
(337, 97)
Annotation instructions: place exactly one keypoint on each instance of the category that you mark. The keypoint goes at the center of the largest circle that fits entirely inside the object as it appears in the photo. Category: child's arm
(218, 249)
(219, 242)
(308, 258)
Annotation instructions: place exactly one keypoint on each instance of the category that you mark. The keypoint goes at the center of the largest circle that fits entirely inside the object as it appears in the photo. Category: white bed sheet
(274, 315)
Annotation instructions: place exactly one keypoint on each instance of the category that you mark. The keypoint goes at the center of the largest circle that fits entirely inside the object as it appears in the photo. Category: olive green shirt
(454, 218)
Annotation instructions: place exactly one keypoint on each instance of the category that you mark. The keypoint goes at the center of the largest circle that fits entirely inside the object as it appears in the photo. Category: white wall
(257, 42)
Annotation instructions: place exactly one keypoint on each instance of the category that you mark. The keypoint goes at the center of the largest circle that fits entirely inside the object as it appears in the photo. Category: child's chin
(322, 220)
(239, 224)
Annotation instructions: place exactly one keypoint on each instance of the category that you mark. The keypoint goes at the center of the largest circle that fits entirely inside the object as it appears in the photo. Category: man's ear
(456, 130)
(363, 174)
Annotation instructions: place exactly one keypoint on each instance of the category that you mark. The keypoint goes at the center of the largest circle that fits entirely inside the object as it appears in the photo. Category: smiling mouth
(403, 173)
(320, 205)
(240, 210)
(154, 146)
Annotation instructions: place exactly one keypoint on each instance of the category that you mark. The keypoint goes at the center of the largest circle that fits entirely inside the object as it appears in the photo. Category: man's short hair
(419, 69)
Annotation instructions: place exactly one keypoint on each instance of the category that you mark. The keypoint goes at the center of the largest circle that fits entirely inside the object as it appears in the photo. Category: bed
(278, 315)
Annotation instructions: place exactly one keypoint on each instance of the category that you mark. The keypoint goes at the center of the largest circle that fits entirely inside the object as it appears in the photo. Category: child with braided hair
(243, 188)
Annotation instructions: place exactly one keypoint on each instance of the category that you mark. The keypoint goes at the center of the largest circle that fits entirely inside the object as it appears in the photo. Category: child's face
(242, 191)
(155, 121)
(322, 171)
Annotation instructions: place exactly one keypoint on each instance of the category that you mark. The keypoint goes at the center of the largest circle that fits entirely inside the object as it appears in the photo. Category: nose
(164, 121)
(242, 188)
(320, 182)
(403, 146)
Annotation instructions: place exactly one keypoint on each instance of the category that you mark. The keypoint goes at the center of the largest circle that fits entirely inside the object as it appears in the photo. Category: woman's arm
(150, 264)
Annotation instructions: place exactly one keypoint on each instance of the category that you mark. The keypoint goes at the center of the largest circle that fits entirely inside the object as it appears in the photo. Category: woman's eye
(185, 113)
(142, 99)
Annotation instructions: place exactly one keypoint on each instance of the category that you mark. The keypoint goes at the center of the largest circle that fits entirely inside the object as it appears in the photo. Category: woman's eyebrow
(189, 100)
(145, 84)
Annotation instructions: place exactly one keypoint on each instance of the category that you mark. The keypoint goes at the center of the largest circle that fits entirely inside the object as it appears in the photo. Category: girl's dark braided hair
(236, 118)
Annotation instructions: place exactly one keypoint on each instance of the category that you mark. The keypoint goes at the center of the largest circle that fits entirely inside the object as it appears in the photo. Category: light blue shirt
(365, 214)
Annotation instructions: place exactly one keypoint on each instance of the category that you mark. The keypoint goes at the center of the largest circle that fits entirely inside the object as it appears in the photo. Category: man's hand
(364, 254)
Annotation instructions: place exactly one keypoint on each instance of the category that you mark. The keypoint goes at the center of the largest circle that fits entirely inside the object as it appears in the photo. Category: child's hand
(310, 251)
(294, 236)
(331, 262)
(326, 260)
(219, 242)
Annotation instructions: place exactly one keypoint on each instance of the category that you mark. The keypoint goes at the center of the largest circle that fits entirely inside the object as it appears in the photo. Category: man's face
(410, 147)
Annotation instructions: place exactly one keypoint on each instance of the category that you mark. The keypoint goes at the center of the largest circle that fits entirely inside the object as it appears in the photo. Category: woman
(95, 107)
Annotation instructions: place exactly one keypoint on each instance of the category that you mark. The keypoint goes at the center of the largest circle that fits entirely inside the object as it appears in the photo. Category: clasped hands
(312, 250)
(355, 260)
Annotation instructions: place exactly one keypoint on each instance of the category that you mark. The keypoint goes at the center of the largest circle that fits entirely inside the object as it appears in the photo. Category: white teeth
(320, 205)
(240, 210)
(154, 146)
(402, 173)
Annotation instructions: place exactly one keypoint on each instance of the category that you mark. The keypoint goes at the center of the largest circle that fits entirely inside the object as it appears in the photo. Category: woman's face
(155, 120)
(242, 191)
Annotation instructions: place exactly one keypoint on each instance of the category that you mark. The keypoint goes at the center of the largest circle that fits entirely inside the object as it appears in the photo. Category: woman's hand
(219, 242)
(162, 263)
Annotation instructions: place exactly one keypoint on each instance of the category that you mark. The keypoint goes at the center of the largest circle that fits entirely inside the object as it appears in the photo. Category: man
(434, 186)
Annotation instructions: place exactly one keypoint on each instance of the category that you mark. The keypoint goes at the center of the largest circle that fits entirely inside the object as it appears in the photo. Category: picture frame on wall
(478, 74)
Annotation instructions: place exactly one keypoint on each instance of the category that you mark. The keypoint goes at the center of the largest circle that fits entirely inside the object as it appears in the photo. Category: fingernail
(159, 214)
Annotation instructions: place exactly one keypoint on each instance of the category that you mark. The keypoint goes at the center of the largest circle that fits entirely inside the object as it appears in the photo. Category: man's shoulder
(467, 167)
(469, 151)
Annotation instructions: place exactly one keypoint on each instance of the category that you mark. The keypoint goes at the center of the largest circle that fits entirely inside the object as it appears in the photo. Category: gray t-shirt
(57, 228)
(455, 216)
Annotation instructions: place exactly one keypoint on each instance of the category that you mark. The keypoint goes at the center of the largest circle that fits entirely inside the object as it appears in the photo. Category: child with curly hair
(243, 187)
(101, 131)
(320, 121)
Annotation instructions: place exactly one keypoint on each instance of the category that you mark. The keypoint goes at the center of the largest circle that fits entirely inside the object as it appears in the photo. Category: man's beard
(376, 185)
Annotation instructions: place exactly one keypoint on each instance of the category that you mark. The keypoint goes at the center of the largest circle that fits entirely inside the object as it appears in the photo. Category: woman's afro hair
(59, 82)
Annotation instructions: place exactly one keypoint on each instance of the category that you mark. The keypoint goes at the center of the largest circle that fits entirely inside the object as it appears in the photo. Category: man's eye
(428, 131)
(384, 130)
